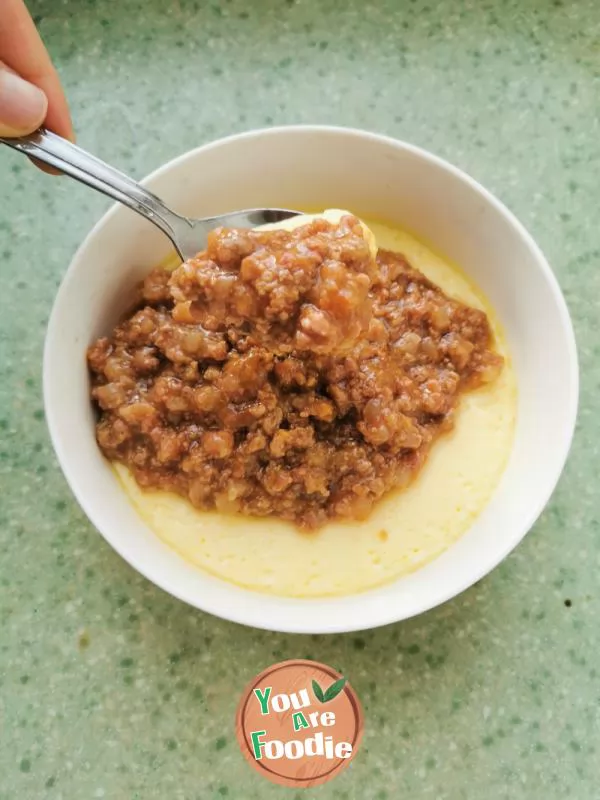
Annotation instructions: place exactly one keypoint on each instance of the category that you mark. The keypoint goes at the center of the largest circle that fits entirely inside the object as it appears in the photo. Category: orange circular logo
(299, 723)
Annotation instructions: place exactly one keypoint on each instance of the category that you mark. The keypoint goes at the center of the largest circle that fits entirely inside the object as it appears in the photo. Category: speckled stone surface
(110, 688)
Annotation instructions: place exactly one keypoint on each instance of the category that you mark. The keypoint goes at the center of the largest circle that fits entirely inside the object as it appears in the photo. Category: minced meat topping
(286, 373)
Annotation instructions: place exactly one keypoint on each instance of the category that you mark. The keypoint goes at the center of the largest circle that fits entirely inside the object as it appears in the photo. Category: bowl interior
(311, 167)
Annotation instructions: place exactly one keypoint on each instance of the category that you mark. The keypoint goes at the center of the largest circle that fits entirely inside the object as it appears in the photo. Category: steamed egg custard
(404, 530)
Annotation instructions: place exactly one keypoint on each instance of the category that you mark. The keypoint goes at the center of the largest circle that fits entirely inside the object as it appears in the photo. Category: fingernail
(22, 105)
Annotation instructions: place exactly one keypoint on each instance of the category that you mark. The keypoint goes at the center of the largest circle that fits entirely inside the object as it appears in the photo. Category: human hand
(30, 90)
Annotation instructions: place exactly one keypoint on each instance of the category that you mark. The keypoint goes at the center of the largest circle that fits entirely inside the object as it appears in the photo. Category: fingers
(22, 49)
(23, 106)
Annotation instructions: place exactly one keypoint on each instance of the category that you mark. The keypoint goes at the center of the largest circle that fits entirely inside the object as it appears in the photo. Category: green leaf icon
(318, 692)
(334, 690)
(331, 693)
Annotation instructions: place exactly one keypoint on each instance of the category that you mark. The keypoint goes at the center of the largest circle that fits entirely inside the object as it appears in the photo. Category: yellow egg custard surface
(406, 530)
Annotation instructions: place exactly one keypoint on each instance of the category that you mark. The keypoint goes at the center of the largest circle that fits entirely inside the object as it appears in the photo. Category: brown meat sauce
(286, 374)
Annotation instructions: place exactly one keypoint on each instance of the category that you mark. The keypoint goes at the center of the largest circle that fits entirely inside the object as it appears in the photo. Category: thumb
(22, 105)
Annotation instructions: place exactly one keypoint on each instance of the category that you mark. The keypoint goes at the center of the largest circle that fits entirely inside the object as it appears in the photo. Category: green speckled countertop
(110, 688)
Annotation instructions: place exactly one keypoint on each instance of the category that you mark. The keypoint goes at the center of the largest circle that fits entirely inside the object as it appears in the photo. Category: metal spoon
(188, 235)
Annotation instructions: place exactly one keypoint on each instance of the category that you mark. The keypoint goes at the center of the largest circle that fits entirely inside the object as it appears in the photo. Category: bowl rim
(386, 614)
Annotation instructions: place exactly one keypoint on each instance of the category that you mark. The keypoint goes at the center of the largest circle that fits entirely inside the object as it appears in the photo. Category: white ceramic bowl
(308, 167)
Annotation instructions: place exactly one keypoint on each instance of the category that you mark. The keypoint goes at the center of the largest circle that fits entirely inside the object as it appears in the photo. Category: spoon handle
(69, 158)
